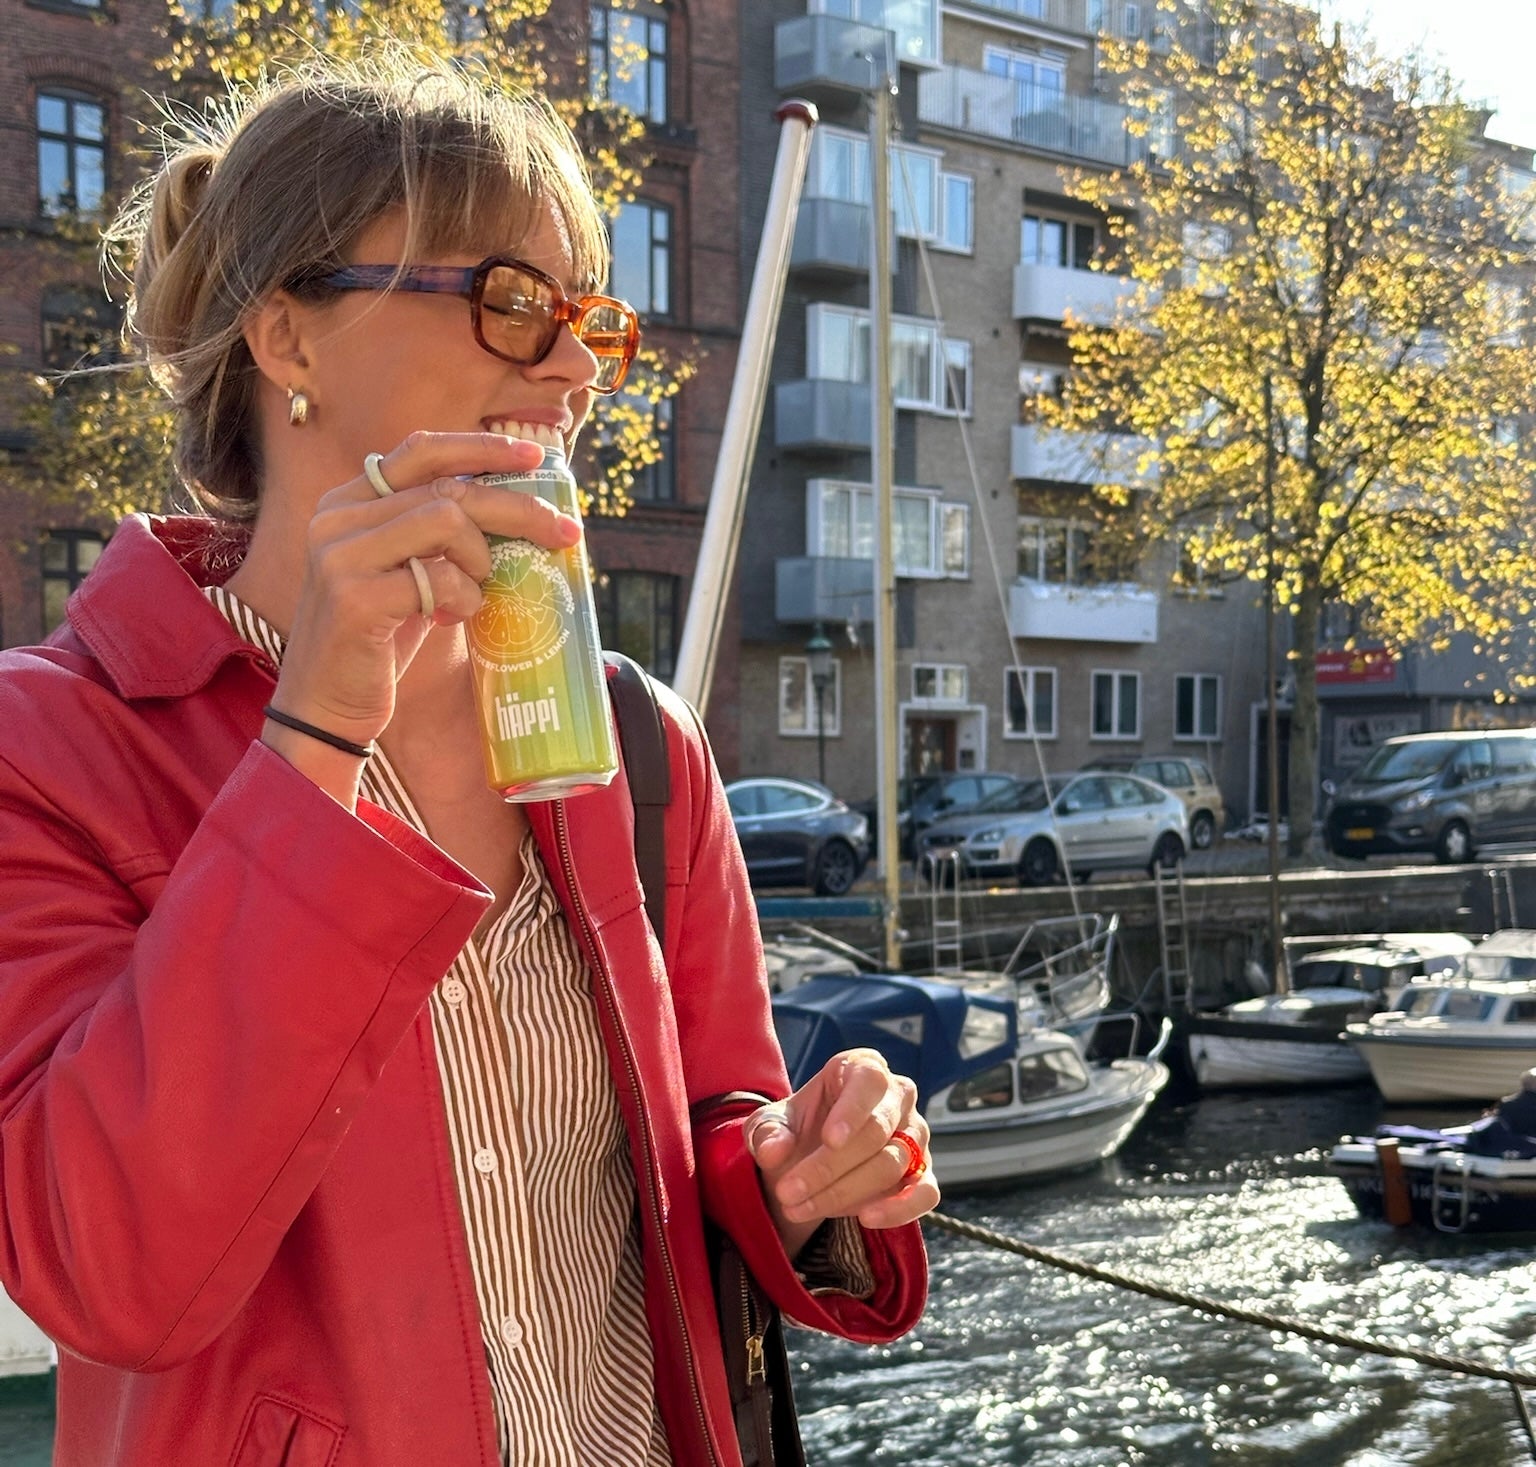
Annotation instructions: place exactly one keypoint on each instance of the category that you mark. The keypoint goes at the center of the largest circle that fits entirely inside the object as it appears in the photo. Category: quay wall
(1227, 936)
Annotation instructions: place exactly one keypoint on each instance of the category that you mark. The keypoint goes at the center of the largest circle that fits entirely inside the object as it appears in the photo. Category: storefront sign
(1361, 665)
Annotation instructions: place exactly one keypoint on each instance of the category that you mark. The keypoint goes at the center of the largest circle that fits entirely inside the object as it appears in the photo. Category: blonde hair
(272, 189)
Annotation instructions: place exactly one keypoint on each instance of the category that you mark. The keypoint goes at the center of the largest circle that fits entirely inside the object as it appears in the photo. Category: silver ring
(375, 475)
(423, 586)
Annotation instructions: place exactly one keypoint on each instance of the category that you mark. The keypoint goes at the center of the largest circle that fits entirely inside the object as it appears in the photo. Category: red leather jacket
(225, 1184)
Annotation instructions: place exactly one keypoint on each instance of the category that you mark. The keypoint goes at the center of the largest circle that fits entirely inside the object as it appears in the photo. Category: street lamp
(818, 652)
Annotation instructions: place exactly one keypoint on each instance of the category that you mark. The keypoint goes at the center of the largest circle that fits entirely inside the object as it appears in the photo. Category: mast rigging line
(1517, 1380)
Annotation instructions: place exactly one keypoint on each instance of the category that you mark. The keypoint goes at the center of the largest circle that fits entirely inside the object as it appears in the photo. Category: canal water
(1227, 1196)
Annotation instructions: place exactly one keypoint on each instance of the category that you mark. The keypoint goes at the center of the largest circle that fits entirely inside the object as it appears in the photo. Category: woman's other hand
(835, 1148)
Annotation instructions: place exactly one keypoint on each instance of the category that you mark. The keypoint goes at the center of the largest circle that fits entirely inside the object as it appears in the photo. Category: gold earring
(298, 408)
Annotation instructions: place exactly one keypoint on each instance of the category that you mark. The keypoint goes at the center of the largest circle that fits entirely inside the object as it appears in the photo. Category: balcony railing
(810, 588)
(1051, 292)
(999, 107)
(814, 53)
(1064, 457)
(1047, 611)
(822, 413)
(832, 235)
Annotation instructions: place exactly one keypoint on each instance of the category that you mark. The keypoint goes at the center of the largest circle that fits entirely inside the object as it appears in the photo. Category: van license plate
(1360, 832)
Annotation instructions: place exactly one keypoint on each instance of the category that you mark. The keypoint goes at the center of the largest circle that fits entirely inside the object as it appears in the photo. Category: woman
(345, 1109)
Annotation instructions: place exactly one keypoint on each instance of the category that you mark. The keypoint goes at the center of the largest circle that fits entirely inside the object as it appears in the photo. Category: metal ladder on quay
(1501, 882)
(1172, 935)
(947, 931)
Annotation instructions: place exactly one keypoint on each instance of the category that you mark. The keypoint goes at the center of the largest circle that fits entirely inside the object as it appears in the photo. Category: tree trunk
(1304, 724)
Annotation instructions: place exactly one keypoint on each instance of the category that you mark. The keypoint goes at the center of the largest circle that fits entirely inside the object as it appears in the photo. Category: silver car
(1083, 822)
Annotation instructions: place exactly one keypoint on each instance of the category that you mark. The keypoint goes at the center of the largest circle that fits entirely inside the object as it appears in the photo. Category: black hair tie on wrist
(357, 751)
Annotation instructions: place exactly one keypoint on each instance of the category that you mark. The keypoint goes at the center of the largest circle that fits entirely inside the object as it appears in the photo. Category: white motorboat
(1296, 1037)
(1000, 1060)
(1453, 1038)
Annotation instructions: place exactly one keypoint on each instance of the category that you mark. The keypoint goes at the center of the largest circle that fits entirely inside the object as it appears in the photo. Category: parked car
(1449, 793)
(794, 832)
(923, 798)
(1190, 779)
(1084, 822)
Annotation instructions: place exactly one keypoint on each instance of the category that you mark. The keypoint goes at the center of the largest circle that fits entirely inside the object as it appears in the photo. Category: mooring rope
(1458, 1364)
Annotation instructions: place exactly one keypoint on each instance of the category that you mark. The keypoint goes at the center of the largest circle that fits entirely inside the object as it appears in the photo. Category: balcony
(811, 588)
(832, 237)
(998, 107)
(818, 55)
(1052, 292)
(820, 413)
(1046, 611)
(1064, 457)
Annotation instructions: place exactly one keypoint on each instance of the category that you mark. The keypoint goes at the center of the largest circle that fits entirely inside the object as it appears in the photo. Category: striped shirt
(545, 1179)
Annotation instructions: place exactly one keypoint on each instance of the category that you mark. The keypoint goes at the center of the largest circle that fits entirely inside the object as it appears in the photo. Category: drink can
(537, 665)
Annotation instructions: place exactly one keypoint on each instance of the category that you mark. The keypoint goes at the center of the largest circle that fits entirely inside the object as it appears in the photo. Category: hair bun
(179, 194)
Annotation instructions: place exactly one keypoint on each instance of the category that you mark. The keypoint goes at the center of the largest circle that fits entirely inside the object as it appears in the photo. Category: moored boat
(1296, 1037)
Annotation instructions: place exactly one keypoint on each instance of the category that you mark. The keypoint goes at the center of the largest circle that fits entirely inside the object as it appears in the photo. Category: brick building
(75, 74)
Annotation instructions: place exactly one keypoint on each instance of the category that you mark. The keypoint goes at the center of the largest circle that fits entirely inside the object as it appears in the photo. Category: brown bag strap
(643, 746)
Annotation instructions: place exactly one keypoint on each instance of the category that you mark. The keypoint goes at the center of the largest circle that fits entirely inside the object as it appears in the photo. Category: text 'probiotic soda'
(538, 668)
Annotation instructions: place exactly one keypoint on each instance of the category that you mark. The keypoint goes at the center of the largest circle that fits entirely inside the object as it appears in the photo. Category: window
(1190, 577)
(915, 192)
(1029, 703)
(78, 326)
(1206, 247)
(1066, 242)
(957, 213)
(1116, 705)
(957, 376)
(797, 700)
(642, 258)
(71, 153)
(837, 348)
(637, 615)
(929, 537)
(839, 169)
(657, 483)
(1041, 80)
(955, 540)
(627, 59)
(940, 682)
(1197, 706)
(67, 556)
(1066, 553)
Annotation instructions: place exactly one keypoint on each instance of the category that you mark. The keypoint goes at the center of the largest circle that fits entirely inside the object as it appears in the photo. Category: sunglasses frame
(469, 281)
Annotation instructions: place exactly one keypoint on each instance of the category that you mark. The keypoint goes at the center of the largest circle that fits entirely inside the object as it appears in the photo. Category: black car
(922, 798)
(795, 832)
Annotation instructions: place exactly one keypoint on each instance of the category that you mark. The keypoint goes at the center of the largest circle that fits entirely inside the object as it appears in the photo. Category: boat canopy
(936, 1033)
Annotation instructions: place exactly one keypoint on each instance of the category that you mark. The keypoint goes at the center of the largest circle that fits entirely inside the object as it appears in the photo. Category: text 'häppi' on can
(537, 664)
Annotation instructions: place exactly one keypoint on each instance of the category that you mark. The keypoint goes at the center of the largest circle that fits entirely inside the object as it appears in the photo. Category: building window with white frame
(1067, 553)
(1069, 243)
(957, 213)
(957, 377)
(1116, 712)
(797, 700)
(837, 349)
(1197, 706)
(929, 538)
(940, 682)
(1029, 703)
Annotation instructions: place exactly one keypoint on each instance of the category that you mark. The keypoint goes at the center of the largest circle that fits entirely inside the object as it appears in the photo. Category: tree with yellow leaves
(99, 441)
(1327, 340)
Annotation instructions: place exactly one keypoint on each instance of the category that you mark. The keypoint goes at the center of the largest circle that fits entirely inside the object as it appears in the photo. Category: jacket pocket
(279, 1434)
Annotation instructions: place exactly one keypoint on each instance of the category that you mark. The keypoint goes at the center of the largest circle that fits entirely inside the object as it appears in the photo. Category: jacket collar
(142, 614)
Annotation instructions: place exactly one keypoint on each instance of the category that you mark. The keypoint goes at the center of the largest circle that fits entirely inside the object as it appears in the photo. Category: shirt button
(512, 1332)
(453, 992)
(485, 1160)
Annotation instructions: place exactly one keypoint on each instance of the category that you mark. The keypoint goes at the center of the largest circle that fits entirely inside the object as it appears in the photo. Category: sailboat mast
(882, 473)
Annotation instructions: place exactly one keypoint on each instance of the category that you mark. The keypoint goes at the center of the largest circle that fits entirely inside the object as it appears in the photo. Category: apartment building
(76, 73)
(1017, 641)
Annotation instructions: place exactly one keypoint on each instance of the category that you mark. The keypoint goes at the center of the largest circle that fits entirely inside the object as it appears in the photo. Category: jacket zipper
(605, 987)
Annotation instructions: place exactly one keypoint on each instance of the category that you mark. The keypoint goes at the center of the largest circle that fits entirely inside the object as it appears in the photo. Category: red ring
(917, 1163)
